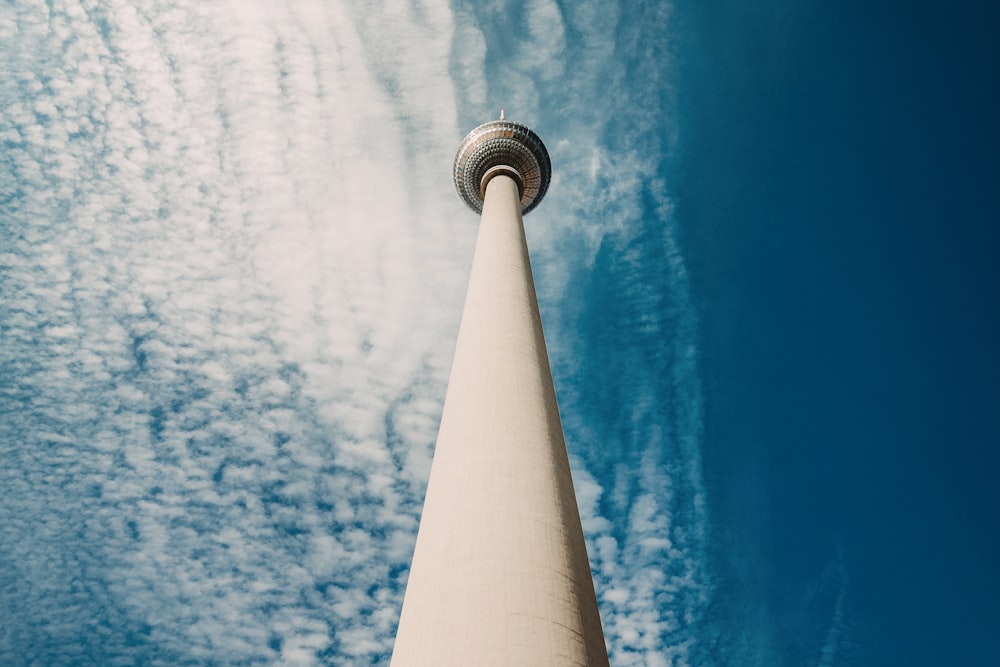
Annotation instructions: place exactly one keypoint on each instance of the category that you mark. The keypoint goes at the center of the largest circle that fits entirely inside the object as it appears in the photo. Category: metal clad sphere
(502, 142)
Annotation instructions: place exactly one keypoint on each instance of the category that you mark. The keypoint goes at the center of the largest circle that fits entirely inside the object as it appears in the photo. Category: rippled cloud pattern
(232, 266)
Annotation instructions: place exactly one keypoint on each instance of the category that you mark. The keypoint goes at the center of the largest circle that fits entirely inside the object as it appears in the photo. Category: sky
(232, 263)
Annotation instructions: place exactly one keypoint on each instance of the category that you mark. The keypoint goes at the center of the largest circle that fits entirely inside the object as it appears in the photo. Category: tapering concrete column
(500, 574)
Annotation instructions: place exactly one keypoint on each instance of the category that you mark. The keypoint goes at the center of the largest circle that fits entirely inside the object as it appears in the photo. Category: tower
(500, 574)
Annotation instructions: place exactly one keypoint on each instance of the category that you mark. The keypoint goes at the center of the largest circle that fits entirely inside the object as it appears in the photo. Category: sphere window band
(502, 143)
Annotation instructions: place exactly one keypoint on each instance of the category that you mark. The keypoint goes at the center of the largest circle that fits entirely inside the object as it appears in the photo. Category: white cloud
(608, 124)
(240, 281)
(836, 632)
(233, 265)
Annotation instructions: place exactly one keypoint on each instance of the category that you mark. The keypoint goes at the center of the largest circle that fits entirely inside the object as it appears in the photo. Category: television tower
(500, 574)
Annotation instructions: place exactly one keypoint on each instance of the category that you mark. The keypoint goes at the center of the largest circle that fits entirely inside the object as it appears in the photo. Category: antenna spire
(501, 114)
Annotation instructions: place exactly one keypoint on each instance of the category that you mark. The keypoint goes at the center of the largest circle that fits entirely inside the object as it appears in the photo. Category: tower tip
(501, 114)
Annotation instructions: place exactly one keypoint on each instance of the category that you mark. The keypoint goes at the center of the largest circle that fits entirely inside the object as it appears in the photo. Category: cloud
(229, 265)
(593, 79)
(232, 265)
(836, 632)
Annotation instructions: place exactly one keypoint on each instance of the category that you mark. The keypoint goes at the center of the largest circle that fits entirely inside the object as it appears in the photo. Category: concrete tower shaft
(500, 574)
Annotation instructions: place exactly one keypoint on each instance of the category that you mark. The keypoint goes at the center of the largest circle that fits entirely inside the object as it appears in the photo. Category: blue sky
(231, 268)
(838, 188)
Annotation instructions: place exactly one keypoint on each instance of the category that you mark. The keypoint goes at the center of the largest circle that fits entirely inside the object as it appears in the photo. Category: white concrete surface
(500, 575)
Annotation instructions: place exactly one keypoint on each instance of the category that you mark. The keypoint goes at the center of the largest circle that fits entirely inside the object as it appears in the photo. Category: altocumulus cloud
(224, 286)
(617, 305)
(232, 265)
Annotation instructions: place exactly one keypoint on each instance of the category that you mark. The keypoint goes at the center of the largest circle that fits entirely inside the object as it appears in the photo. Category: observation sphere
(502, 147)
